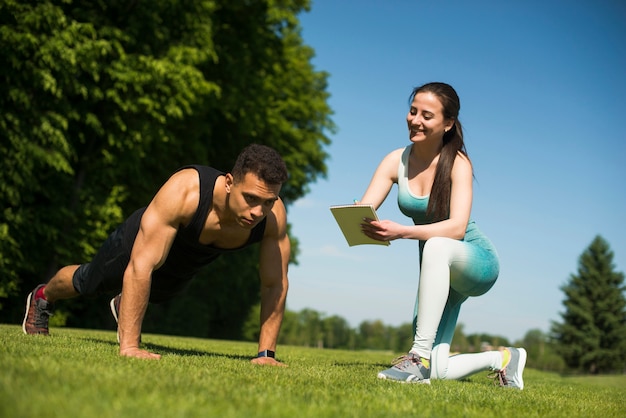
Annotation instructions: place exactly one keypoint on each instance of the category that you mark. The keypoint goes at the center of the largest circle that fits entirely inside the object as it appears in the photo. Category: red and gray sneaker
(38, 312)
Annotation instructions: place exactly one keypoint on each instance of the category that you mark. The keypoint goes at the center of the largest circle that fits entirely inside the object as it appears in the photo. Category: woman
(434, 177)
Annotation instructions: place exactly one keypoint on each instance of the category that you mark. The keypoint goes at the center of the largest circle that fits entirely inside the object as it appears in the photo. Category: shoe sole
(520, 367)
(408, 380)
(28, 300)
(114, 312)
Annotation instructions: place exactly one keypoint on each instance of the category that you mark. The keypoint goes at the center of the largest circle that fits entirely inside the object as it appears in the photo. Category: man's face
(251, 199)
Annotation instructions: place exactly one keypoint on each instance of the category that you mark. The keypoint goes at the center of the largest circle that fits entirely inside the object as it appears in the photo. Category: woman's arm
(383, 179)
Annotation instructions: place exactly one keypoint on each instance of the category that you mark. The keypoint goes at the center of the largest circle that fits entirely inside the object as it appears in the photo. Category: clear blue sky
(543, 103)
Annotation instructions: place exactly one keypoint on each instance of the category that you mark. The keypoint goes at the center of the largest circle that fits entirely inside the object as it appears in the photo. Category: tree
(374, 335)
(541, 351)
(592, 335)
(459, 342)
(337, 332)
(101, 101)
(400, 337)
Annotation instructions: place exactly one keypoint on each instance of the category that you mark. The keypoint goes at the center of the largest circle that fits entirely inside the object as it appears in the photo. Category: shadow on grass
(161, 349)
(361, 363)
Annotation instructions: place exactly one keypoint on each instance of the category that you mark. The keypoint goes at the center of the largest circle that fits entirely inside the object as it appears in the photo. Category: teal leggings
(451, 271)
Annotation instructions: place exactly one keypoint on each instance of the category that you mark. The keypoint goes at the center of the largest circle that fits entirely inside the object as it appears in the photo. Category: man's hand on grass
(138, 353)
(267, 361)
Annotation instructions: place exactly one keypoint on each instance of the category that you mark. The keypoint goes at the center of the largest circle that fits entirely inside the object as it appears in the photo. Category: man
(198, 214)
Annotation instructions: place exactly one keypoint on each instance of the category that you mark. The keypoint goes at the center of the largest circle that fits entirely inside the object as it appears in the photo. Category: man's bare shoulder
(180, 194)
(185, 176)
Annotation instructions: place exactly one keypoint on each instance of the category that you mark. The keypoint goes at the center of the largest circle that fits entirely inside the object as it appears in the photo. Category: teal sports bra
(415, 206)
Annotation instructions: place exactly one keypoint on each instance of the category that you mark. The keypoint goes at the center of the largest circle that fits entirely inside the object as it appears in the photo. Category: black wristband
(266, 353)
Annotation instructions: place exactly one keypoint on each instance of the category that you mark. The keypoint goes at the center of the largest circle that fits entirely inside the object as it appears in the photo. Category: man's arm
(274, 261)
(172, 205)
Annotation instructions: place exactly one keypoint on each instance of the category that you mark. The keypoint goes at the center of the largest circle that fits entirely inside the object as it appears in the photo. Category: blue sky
(542, 87)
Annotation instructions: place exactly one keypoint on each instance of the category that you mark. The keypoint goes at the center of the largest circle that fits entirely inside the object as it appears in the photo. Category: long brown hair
(439, 202)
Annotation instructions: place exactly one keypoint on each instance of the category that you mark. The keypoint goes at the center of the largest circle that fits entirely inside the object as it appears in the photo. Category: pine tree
(592, 336)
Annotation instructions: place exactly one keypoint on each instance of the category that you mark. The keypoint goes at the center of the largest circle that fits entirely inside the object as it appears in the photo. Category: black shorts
(105, 273)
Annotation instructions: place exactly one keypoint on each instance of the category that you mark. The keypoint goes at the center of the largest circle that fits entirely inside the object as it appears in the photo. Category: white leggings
(451, 271)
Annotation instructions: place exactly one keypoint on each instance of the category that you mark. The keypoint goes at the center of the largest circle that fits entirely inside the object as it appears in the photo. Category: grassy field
(78, 373)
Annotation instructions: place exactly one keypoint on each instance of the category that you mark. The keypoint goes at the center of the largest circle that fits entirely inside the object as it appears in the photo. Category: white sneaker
(511, 375)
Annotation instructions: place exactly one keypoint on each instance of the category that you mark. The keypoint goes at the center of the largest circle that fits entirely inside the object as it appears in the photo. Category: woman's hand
(382, 230)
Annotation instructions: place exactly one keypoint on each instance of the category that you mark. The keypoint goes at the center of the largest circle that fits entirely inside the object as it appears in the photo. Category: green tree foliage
(483, 342)
(541, 351)
(592, 336)
(374, 335)
(459, 343)
(101, 101)
(306, 328)
(310, 328)
(471, 343)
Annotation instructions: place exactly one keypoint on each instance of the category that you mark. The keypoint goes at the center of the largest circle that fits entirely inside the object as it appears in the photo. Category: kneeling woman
(434, 177)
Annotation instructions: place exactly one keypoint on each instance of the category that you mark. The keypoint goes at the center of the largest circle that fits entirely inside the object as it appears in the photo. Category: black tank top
(187, 255)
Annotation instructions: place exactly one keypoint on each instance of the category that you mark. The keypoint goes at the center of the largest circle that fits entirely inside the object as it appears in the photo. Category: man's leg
(61, 286)
(102, 275)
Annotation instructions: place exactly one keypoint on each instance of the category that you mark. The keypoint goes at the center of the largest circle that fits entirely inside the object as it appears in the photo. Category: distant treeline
(314, 329)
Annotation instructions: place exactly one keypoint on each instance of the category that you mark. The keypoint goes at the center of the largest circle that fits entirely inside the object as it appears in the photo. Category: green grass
(78, 373)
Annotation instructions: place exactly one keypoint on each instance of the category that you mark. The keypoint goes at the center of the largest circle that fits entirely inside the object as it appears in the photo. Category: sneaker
(115, 307)
(408, 369)
(115, 310)
(511, 375)
(38, 312)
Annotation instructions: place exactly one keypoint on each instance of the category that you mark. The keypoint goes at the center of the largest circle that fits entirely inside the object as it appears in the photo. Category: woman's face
(425, 119)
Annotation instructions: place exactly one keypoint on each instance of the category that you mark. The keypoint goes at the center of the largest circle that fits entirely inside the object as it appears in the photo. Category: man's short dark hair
(263, 161)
